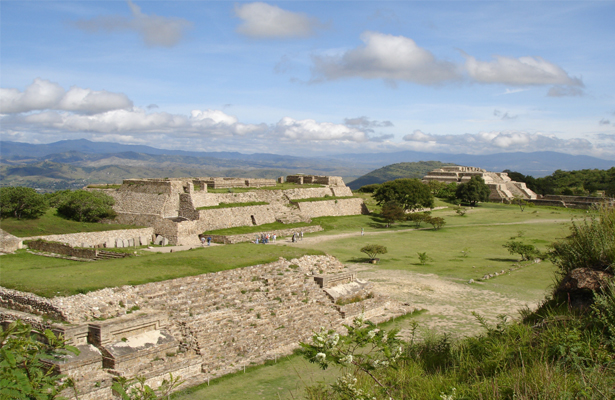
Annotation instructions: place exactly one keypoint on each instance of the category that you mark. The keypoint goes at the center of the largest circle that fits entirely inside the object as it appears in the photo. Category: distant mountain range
(75, 163)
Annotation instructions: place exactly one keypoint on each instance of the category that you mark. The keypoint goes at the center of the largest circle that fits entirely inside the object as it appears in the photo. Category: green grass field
(58, 277)
(52, 224)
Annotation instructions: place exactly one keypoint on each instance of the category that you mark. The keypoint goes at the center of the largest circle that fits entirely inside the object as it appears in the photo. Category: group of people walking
(265, 238)
(297, 236)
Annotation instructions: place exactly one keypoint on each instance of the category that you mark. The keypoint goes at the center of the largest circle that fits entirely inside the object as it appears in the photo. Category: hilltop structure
(503, 189)
(179, 209)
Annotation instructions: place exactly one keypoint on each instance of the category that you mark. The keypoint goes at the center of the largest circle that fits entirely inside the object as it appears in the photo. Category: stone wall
(106, 238)
(314, 209)
(60, 248)
(9, 243)
(249, 237)
(195, 327)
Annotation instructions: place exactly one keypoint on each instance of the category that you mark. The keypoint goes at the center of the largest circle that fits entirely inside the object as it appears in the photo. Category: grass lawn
(285, 379)
(52, 224)
(50, 277)
(473, 234)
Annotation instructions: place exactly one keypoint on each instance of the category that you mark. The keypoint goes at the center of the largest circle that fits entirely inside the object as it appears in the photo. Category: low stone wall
(314, 209)
(108, 238)
(249, 237)
(9, 243)
(60, 248)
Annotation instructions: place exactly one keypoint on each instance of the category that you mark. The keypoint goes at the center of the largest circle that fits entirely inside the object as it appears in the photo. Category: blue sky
(312, 77)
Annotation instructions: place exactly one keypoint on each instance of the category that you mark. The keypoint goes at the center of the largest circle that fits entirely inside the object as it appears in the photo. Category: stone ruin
(198, 327)
(177, 208)
(503, 189)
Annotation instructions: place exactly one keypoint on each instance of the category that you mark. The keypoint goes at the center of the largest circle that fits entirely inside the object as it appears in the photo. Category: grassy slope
(52, 224)
(52, 276)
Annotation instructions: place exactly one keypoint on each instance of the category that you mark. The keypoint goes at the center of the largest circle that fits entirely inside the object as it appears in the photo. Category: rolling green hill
(396, 171)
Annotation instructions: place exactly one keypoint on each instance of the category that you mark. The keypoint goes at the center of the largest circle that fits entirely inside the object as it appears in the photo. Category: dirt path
(449, 304)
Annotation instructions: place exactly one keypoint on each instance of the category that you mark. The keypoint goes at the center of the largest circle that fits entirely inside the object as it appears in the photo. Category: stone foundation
(196, 327)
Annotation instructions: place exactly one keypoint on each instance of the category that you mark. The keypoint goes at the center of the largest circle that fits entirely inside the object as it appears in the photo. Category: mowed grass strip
(51, 277)
(53, 224)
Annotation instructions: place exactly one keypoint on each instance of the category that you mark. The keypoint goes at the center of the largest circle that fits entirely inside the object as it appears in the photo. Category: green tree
(417, 218)
(392, 211)
(372, 250)
(21, 202)
(473, 191)
(82, 205)
(526, 251)
(409, 193)
(23, 375)
(436, 222)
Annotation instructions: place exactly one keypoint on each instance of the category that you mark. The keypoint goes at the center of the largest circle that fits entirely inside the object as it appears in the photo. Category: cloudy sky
(312, 77)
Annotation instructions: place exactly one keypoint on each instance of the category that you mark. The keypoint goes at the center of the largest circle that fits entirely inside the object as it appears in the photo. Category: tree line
(585, 182)
(78, 205)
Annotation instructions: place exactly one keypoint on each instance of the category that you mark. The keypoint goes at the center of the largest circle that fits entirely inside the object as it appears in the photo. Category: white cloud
(154, 30)
(366, 123)
(135, 121)
(522, 71)
(45, 95)
(262, 20)
(497, 141)
(308, 129)
(386, 57)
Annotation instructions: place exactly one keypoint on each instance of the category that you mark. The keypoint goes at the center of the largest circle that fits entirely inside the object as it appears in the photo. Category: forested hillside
(580, 183)
(396, 171)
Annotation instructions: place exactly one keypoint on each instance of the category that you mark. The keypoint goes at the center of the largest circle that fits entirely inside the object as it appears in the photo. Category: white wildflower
(320, 357)
(373, 333)
(347, 359)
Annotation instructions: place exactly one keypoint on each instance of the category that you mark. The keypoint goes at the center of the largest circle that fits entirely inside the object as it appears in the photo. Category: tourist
(274, 238)
(209, 240)
(362, 232)
(301, 235)
(202, 240)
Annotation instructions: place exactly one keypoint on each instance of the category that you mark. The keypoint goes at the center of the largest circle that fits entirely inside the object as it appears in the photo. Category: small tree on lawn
(21, 202)
(436, 222)
(392, 211)
(526, 251)
(417, 218)
(372, 250)
(520, 201)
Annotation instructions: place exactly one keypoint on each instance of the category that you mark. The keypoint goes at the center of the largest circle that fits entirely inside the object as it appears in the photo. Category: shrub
(85, 206)
(21, 202)
(591, 243)
(526, 251)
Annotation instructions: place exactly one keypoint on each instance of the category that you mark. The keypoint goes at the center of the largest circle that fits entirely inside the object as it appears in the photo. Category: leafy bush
(436, 222)
(417, 218)
(21, 202)
(591, 243)
(368, 188)
(85, 206)
(23, 375)
(526, 251)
